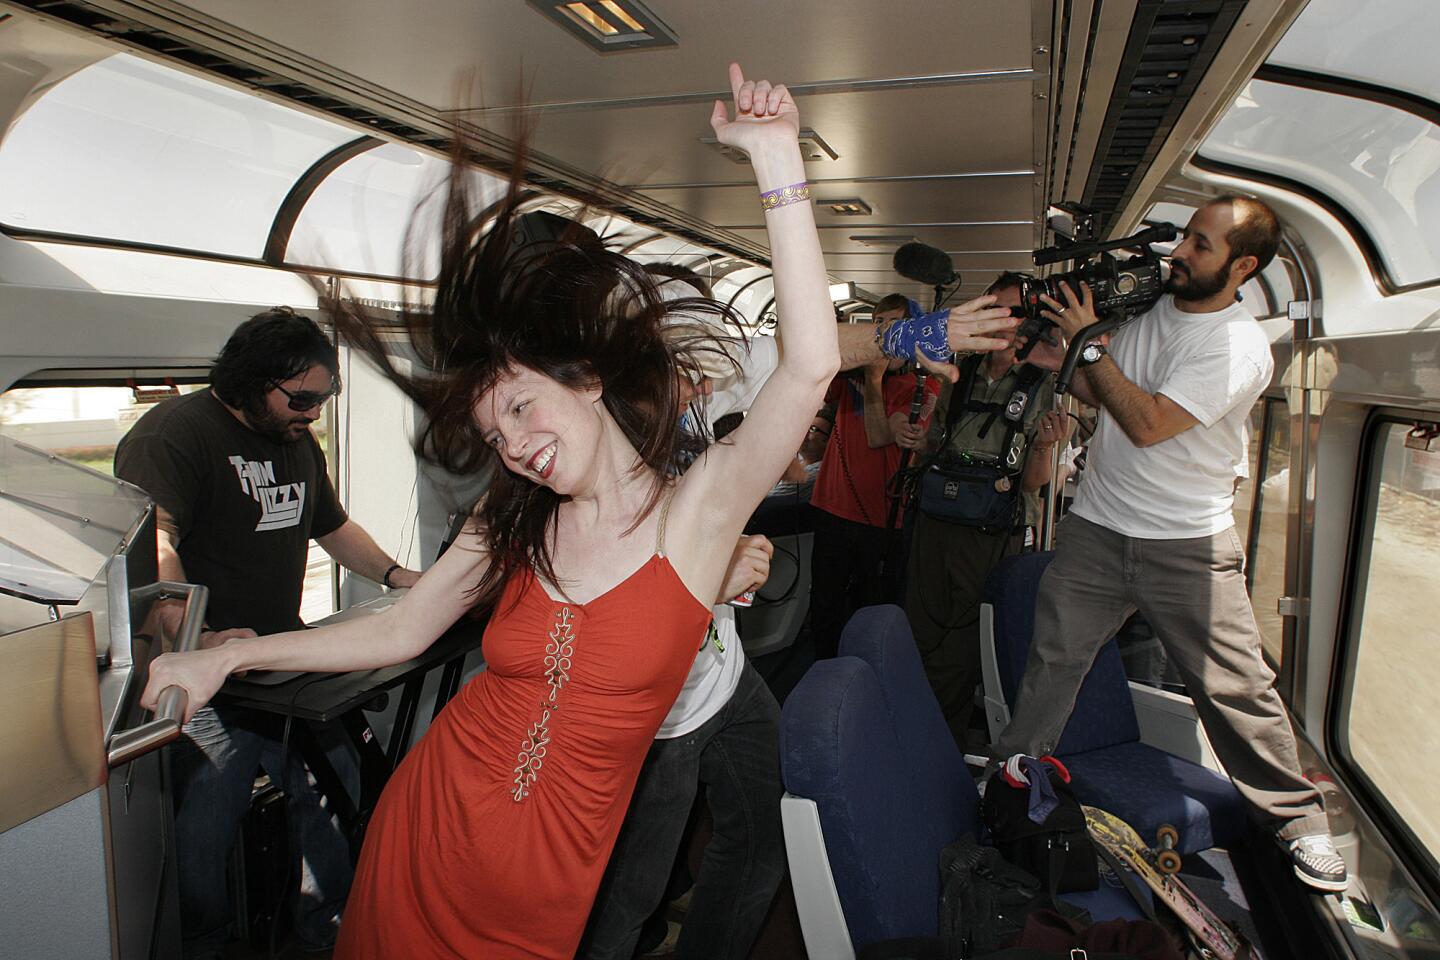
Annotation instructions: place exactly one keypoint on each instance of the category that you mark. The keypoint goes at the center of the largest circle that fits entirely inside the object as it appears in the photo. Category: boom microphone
(925, 264)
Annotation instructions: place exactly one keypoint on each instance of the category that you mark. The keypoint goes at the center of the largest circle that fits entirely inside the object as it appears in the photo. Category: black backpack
(1058, 850)
(984, 903)
(983, 899)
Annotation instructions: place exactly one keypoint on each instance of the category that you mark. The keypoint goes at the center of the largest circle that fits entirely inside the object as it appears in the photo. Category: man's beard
(276, 428)
(1196, 287)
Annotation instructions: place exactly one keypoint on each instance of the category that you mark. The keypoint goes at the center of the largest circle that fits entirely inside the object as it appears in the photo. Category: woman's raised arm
(721, 490)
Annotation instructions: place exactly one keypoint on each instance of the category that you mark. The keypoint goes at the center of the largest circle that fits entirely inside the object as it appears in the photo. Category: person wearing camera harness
(1151, 528)
(869, 411)
(996, 431)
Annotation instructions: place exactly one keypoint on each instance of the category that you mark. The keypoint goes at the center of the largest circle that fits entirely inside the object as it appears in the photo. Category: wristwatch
(1091, 353)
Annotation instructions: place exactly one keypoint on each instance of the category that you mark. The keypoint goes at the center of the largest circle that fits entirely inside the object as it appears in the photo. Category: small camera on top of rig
(1119, 285)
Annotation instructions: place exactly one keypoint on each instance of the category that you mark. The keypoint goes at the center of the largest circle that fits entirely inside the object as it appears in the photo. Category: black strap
(1138, 890)
(1058, 847)
(969, 370)
(1028, 379)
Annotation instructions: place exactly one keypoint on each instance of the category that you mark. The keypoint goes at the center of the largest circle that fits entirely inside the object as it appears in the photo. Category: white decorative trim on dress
(558, 654)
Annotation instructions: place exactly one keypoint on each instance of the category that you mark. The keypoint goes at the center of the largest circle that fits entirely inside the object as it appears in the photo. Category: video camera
(1120, 288)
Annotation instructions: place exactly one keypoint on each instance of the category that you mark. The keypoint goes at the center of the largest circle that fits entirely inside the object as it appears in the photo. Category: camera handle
(1072, 354)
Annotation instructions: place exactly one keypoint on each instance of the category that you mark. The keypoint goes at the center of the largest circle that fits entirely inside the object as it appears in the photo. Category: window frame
(1413, 104)
(1423, 865)
(1284, 669)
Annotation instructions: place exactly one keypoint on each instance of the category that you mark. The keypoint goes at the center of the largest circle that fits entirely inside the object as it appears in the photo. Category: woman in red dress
(491, 838)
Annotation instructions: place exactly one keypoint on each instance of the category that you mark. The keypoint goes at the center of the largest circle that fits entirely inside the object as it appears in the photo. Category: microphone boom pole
(932, 266)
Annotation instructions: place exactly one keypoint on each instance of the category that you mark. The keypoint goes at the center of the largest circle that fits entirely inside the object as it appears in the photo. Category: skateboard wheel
(1168, 861)
(1168, 837)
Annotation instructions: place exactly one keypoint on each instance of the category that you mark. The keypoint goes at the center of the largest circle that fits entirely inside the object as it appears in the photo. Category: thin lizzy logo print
(280, 504)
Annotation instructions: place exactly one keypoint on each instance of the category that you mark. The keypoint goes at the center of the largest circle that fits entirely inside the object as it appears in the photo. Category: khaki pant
(1193, 593)
(945, 579)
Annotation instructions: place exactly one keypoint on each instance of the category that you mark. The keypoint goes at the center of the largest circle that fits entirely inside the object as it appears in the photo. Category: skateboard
(1212, 936)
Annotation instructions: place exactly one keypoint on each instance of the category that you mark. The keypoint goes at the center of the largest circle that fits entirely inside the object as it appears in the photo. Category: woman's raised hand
(765, 115)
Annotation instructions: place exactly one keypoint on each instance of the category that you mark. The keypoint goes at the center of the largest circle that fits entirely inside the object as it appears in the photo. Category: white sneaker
(1318, 863)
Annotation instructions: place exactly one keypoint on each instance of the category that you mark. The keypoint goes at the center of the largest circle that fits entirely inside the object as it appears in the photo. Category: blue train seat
(1102, 745)
(875, 788)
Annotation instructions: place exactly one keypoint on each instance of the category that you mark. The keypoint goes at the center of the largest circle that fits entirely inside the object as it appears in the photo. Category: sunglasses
(303, 400)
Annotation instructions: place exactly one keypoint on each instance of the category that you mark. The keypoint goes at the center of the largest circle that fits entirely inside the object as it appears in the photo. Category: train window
(356, 220)
(1176, 213)
(667, 249)
(187, 163)
(1381, 43)
(1245, 489)
(1389, 713)
(83, 424)
(1284, 279)
(1373, 160)
(756, 290)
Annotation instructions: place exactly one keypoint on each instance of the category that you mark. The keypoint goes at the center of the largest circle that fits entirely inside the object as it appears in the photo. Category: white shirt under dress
(717, 668)
(1214, 365)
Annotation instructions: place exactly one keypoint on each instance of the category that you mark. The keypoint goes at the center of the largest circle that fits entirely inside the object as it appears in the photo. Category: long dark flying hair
(565, 306)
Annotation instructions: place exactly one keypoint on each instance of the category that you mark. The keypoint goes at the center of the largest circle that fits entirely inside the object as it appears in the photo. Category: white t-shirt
(716, 671)
(712, 680)
(738, 392)
(1214, 365)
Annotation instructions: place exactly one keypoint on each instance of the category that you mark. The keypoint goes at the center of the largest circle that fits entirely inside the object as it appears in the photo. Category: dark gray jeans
(1192, 592)
(736, 754)
(213, 765)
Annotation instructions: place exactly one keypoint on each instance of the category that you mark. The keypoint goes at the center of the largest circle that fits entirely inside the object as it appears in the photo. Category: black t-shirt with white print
(246, 506)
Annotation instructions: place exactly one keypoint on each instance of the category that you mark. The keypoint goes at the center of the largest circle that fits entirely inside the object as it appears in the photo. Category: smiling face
(543, 431)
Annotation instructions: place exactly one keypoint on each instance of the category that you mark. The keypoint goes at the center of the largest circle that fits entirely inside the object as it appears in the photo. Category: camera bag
(980, 494)
(1057, 847)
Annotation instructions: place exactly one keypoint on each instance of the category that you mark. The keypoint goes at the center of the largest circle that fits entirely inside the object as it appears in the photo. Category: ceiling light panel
(813, 148)
(609, 25)
(881, 240)
(847, 207)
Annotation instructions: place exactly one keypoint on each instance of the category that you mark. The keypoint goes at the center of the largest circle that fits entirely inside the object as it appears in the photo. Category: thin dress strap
(664, 515)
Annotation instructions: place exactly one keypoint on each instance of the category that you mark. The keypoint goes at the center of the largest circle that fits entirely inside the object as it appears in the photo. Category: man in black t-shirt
(240, 489)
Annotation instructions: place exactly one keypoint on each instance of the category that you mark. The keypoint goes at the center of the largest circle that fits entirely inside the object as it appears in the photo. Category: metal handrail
(129, 744)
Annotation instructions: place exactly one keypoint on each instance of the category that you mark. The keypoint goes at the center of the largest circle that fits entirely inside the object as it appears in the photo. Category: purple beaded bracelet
(784, 196)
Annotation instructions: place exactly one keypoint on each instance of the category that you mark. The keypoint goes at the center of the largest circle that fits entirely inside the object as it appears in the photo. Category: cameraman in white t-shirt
(1151, 528)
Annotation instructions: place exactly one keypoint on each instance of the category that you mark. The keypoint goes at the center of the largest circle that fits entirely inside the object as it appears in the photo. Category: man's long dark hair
(269, 348)
(564, 306)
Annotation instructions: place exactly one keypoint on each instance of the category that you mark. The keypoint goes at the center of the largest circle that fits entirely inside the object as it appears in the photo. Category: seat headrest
(881, 636)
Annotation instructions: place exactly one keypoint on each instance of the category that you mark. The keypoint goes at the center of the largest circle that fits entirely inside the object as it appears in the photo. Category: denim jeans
(213, 766)
(736, 755)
